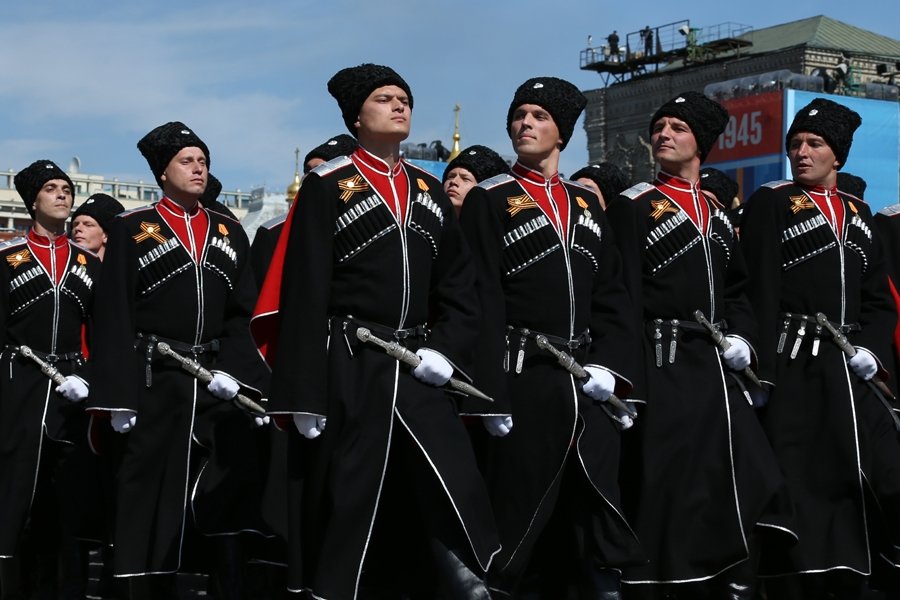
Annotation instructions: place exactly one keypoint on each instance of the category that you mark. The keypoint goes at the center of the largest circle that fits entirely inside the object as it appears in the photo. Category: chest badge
(584, 205)
(222, 229)
(516, 204)
(661, 207)
(352, 185)
(853, 208)
(801, 202)
(150, 230)
(81, 260)
(20, 257)
(422, 185)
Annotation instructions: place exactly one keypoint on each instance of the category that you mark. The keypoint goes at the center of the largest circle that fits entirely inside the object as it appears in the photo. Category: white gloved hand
(863, 364)
(123, 421)
(738, 356)
(260, 421)
(434, 368)
(622, 419)
(310, 426)
(600, 385)
(223, 386)
(73, 388)
(497, 425)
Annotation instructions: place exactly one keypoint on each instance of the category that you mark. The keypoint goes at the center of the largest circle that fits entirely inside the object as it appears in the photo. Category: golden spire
(455, 150)
(295, 185)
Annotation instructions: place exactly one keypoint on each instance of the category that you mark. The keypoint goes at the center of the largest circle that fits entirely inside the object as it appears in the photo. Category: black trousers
(415, 514)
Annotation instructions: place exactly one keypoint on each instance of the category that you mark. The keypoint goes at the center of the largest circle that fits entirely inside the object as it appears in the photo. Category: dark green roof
(821, 32)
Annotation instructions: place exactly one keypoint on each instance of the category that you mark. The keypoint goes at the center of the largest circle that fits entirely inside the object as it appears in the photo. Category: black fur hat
(32, 178)
(482, 162)
(834, 122)
(163, 143)
(208, 199)
(212, 191)
(706, 118)
(723, 187)
(100, 207)
(351, 86)
(852, 184)
(611, 180)
(339, 145)
(557, 96)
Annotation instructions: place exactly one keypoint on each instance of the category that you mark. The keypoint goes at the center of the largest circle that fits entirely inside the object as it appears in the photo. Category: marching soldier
(373, 246)
(605, 179)
(547, 267)
(818, 285)
(471, 166)
(700, 478)
(177, 273)
(267, 234)
(46, 297)
(91, 220)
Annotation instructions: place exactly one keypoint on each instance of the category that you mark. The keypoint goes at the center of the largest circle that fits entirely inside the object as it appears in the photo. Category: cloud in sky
(89, 79)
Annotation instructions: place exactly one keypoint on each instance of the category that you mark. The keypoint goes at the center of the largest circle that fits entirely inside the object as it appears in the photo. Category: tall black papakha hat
(482, 162)
(721, 185)
(209, 198)
(557, 96)
(32, 178)
(351, 86)
(852, 184)
(706, 118)
(101, 207)
(163, 143)
(611, 180)
(339, 145)
(834, 122)
(212, 191)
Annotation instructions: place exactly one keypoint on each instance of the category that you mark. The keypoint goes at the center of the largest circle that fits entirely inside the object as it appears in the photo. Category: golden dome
(294, 187)
(455, 150)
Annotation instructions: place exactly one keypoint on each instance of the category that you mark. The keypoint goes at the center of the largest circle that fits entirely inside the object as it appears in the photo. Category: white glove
(73, 388)
(738, 356)
(310, 426)
(600, 385)
(123, 421)
(863, 364)
(223, 386)
(497, 425)
(260, 421)
(759, 396)
(622, 419)
(434, 368)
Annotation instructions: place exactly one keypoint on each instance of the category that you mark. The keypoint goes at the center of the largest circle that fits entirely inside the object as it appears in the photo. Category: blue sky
(90, 78)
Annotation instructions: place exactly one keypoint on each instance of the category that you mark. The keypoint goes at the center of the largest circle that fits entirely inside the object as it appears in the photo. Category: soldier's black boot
(11, 580)
(737, 583)
(228, 578)
(455, 580)
(600, 584)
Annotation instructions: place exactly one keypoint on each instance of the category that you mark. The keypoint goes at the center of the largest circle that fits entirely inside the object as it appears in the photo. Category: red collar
(819, 189)
(534, 177)
(178, 210)
(675, 182)
(45, 242)
(364, 158)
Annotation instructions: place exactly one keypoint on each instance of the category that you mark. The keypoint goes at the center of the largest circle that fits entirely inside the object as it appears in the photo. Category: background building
(762, 76)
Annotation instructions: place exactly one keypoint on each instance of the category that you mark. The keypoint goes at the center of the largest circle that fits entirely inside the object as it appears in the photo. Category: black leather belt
(528, 347)
(657, 329)
(149, 341)
(50, 357)
(801, 325)
(382, 331)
